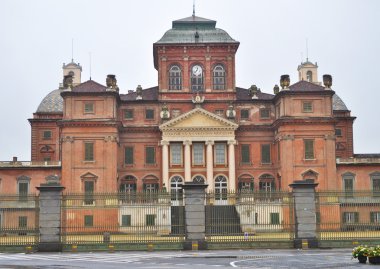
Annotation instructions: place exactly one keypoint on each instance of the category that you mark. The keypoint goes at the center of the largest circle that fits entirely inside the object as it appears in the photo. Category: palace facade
(195, 126)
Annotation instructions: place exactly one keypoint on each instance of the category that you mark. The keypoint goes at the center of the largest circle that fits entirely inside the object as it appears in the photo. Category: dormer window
(219, 77)
(175, 78)
(196, 75)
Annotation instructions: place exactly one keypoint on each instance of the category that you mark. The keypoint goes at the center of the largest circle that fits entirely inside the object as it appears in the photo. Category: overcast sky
(35, 40)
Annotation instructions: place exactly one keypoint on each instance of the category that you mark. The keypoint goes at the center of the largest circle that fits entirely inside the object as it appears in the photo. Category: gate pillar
(305, 213)
(50, 215)
(195, 218)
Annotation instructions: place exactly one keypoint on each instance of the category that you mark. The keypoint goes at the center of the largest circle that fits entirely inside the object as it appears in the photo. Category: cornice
(88, 123)
(302, 121)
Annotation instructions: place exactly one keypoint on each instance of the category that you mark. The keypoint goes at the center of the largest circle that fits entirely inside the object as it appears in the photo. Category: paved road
(340, 258)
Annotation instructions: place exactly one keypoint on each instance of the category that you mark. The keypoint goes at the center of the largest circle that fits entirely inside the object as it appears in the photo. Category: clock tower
(195, 57)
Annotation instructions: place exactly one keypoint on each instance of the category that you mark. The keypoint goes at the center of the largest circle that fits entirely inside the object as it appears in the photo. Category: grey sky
(35, 40)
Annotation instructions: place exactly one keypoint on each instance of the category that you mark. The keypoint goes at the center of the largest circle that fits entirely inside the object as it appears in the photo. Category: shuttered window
(150, 155)
(88, 151)
(129, 155)
(150, 220)
(245, 154)
(274, 218)
(22, 221)
(126, 220)
(309, 149)
(88, 220)
(89, 192)
(265, 153)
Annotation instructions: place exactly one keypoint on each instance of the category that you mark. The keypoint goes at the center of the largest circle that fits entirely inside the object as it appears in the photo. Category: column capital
(209, 142)
(231, 142)
(164, 143)
(187, 142)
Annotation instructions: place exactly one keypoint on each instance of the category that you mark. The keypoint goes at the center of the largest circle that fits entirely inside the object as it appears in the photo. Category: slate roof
(338, 103)
(303, 85)
(150, 94)
(243, 95)
(89, 86)
(52, 103)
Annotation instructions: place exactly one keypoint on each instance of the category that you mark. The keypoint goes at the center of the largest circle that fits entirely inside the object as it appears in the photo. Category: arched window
(309, 76)
(127, 189)
(176, 188)
(219, 77)
(196, 76)
(175, 78)
(245, 183)
(199, 179)
(266, 183)
(220, 188)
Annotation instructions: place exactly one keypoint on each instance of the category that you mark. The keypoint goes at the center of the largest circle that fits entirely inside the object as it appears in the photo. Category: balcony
(18, 164)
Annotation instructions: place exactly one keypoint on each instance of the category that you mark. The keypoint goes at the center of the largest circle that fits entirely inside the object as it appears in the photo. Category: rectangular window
(22, 221)
(265, 153)
(150, 187)
(88, 221)
(220, 153)
(23, 189)
(309, 149)
(349, 186)
(376, 186)
(351, 217)
(89, 192)
(244, 114)
(198, 153)
(307, 107)
(274, 218)
(176, 153)
(150, 155)
(375, 217)
(149, 114)
(128, 114)
(219, 112)
(150, 220)
(278, 151)
(338, 132)
(264, 113)
(126, 220)
(88, 108)
(47, 135)
(245, 154)
(88, 151)
(128, 156)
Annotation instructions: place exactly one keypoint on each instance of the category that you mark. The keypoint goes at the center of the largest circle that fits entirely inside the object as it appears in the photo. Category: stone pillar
(187, 163)
(210, 164)
(195, 218)
(50, 215)
(305, 214)
(231, 164)
(165, 164)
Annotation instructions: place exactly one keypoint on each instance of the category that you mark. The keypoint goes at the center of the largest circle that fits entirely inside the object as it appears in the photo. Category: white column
(165, 164)
(231, 164)
(187, 163)
(210, 165)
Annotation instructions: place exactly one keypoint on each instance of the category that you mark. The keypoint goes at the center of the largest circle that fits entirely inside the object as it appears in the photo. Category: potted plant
(374, 255)
(360, 253)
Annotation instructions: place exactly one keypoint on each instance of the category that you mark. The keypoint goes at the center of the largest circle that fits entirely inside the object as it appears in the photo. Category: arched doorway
(176, 190)
(220, 190)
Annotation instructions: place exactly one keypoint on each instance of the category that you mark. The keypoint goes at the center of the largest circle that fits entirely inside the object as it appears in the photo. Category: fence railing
(19, 220)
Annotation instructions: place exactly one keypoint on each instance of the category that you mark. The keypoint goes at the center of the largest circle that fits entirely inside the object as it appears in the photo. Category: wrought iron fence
(121, 218)
(353, 215)
(19, 220)
(249, 216)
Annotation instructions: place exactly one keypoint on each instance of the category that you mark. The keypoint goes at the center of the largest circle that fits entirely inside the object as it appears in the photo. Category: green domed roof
(195, 29)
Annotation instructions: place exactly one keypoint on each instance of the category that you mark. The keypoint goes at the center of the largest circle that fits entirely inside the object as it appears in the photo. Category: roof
(338, 103)
(89, 86)
(243, 95)
(150, 94)
(52, 103)
(304, 85)
(184, 31)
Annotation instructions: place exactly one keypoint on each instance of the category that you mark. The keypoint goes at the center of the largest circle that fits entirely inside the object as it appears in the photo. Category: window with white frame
(175, 78)
(375, 217)
(220, 153)
(219, 77)
(176, 153)
(176, 188)
(198, 153)
(351, 217)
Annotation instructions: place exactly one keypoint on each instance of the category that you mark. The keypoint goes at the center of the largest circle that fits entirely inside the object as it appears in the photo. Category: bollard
(28, 249)
(194, 245)
(74, 248)
(305, 244)
(150, 247)
(111, 248)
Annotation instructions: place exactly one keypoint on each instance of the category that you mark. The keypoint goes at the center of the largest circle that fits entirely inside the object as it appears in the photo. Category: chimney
(15, 159)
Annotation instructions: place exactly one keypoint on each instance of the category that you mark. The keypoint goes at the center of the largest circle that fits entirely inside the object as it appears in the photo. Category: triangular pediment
(198, 118)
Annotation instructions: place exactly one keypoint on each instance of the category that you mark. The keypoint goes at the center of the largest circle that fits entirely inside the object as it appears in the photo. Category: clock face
(197, 70)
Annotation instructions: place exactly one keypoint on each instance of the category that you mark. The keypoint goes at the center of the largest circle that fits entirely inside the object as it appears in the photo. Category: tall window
(88, 220)
(23, 187)
(150, 155)
(198, 156)
(348, 183)
(265, 153)
(245, 154)
(220, 153)
(128, 188)
(22, 221)
(220, 188)
(89, 192)
(176, 153)
(175, 78)
(88, 151)
(128, 156)
(309, 76)
(219, 77)
(196, 77)
(176, 188)
(375, 178)
(309, 149)
(375, 217)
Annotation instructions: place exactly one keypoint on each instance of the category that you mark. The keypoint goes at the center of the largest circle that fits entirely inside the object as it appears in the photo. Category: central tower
(194, 56)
